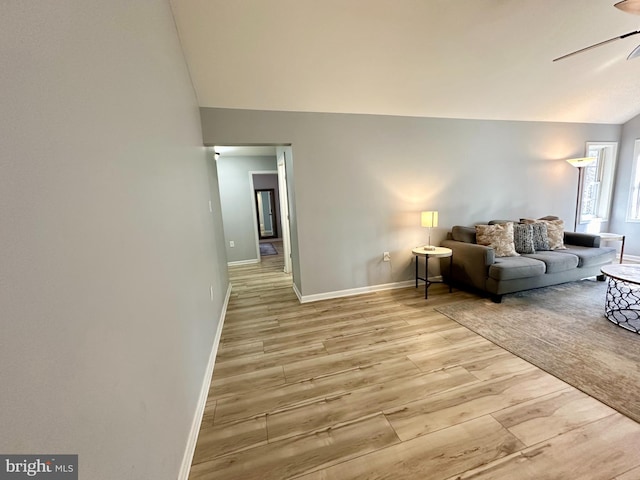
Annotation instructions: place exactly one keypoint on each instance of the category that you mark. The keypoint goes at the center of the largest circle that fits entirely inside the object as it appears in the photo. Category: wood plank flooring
(381, 386)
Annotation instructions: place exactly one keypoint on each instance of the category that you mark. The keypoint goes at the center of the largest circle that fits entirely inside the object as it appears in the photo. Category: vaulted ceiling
(476, 59)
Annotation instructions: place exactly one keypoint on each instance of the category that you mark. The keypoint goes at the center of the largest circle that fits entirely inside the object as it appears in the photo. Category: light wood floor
(382, 386)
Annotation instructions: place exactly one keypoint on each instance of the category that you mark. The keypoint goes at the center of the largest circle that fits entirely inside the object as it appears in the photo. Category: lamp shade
(582, 162)
(429, 219)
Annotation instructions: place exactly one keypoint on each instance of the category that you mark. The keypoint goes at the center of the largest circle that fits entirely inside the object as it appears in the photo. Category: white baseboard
(243, 262)
(353, 291)
(629, 258)
(202, 400)
(297, 292)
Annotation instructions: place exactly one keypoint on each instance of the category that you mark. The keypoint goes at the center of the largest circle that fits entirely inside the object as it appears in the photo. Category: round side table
(427, 253)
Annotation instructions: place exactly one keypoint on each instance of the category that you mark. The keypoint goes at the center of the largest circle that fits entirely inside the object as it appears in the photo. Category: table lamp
(429, 219)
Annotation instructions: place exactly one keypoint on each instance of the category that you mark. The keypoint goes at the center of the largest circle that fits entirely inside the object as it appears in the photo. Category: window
(597, 184)
(633, 212)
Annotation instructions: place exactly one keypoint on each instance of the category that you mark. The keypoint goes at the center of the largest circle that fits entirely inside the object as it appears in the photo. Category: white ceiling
(481, 59)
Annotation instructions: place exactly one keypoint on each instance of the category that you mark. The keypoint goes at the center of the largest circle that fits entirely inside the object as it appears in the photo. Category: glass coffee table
(622, 305)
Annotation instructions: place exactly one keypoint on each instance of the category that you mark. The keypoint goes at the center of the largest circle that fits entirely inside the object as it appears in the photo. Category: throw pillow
(495, 222)
(523, 238)
(555, 232)
(499, 237)
(540, 237)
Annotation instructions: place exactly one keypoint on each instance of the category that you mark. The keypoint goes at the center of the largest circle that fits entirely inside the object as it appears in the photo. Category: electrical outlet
(386, 257)
(210, 207)
(211, 291)
(232, 244)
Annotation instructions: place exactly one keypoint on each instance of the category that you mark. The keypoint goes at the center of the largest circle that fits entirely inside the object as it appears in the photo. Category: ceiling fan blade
(597, 45)
(629, 6)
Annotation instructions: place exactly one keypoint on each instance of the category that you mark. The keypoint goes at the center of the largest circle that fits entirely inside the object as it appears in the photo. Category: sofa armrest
(470, 262)
(582, 239)
(471, 252)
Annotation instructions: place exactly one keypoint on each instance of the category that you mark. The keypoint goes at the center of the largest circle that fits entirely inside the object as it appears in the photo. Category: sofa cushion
(556, 261)
(512, 268)
(589, 256)
(523, 238)
(498, 237)
(463, 234)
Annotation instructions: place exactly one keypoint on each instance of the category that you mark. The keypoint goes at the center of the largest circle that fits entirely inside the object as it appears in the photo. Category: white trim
(634, 168)
(253, 206)
(243, 262)
(607, 167)
(187, 459)
(630, 258)
(283, 195)
(353, 291)
(297, 292)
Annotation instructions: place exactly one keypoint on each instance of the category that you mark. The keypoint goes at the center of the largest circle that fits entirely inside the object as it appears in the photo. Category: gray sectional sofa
(478, 267)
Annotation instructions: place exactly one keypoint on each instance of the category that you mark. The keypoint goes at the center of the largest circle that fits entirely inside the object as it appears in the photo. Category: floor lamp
(580, 163)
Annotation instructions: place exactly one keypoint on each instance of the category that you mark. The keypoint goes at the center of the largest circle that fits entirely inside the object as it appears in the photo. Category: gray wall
(362, 180)
(619, 224)
(237, 202)
(108, 248)
(266, 182)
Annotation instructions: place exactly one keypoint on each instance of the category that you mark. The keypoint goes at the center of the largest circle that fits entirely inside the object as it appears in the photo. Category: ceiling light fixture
(629, 6)
(635, 53)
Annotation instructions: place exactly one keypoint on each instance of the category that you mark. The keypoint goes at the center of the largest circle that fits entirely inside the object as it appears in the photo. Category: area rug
(562, 330)
(267, 249)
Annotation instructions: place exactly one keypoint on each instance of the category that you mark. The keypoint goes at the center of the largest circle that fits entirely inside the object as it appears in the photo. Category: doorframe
(253, 206)
(283, 194)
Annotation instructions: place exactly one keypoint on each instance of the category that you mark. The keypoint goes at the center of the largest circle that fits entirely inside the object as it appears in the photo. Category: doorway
(266, 213)
(250, 222)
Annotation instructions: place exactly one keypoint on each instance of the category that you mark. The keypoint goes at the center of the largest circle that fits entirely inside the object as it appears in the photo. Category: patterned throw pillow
(523, 238)
(540, 238)
(499, 237)
(555, 232)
